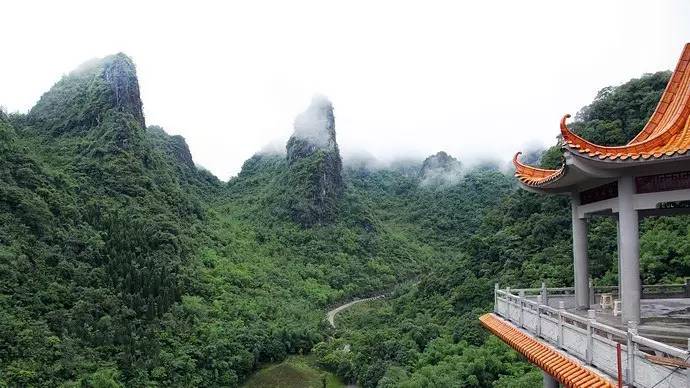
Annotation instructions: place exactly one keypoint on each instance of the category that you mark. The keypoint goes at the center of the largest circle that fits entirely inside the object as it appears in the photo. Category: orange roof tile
(534, 176)
(666, 134)
(565, 370)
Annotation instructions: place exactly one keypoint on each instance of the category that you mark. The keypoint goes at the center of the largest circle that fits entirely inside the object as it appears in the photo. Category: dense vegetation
(123, 264)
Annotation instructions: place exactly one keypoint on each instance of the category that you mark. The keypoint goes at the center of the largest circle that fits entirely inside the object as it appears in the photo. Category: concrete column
(618, 254)
(549, 382)
(629, 250)
(581, 261)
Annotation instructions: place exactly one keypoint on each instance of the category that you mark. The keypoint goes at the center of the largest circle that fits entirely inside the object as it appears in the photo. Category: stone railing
(653, 291)
(643, 362)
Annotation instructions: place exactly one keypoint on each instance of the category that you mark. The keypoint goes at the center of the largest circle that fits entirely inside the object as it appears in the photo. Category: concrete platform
(651, 362)
(664, 320)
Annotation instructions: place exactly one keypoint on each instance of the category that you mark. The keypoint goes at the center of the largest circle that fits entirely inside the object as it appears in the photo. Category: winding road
(330, 315)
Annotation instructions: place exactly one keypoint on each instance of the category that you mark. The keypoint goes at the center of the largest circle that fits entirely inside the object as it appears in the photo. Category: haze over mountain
(314, 165)
(475, 79)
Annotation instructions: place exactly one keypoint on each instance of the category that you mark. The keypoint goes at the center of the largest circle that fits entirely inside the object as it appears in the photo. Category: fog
(315, 124)
(479, 80)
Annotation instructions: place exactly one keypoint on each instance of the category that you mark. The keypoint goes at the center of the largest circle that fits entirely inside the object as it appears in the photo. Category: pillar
(618, 255)
(581, 261)
(629, 250)
(549, 382)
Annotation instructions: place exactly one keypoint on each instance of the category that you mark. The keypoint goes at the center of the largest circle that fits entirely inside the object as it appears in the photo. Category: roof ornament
(565, 131)
(516, 160)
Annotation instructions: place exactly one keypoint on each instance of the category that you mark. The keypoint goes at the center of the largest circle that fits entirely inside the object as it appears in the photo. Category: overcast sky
(478, 79)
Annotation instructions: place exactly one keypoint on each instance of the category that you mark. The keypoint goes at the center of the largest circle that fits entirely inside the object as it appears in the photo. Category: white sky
(478, 79)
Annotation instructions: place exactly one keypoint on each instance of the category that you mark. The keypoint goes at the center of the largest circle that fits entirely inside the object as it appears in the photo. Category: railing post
(509, 304)
(539, 304)
(496, 298)
(619, 365)
(561, 308)
(592, 298)
(544, 294)
(687, 371)
(522, 308)
(590, 339)
(630, 373)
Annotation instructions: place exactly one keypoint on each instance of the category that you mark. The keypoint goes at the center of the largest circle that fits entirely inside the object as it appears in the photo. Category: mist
(475, 79)
(315, 124)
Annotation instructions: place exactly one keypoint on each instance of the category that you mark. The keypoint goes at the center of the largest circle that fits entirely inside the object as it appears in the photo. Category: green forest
(124, 264)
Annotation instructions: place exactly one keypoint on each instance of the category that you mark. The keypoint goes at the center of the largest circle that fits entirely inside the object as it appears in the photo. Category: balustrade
(646, 363)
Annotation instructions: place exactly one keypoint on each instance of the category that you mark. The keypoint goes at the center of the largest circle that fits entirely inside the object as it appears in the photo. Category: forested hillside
(124, 264)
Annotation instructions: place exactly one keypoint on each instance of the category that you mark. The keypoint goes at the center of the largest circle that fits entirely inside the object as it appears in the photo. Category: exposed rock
(440, 169)
(314, 131)
(121, 75)
(315, 180)
(82, 99)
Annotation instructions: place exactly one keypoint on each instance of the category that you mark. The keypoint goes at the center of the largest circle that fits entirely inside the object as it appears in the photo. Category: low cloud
(316, 124)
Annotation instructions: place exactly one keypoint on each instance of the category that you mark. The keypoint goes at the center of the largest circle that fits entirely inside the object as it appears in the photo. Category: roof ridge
(648, 129)
(667, 121)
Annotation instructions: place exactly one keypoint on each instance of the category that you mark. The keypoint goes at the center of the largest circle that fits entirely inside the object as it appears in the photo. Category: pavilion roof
(666, 134)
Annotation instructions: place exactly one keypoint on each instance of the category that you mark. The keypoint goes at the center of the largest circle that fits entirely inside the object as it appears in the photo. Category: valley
(125, 264)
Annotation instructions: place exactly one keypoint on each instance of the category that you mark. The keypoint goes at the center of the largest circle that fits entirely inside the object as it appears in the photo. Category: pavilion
(649, 176)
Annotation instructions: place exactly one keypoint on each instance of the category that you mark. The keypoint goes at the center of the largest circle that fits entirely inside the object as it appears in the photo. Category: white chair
(606, 301)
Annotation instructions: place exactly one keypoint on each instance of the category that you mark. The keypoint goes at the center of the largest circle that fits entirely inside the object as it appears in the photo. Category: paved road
(330, 315)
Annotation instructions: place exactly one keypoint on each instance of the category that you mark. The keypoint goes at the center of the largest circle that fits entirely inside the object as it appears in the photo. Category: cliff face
(121, 76)
(440, 169)
(97, 112)
(314, 131)
(82, 99)
(315, 182)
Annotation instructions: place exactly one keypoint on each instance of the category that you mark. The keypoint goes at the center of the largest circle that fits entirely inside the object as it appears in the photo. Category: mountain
(314, 165)
(440, 169)
(83, 98)
(100, 220)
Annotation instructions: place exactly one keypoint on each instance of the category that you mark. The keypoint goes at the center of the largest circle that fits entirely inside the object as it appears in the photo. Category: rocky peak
(314, 165)
(120, 74)
(81, 99)
(440, 169)
(314, 130)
